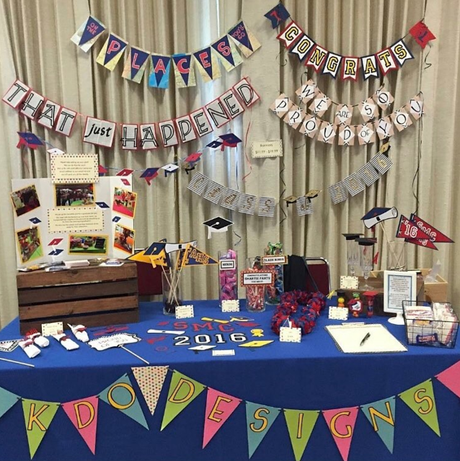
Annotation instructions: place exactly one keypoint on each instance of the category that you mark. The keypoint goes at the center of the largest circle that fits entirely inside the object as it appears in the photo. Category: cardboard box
(91, 296)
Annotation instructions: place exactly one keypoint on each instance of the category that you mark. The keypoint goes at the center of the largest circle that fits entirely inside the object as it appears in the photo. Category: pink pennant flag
(83, 414)
(450, 377)
(219, 407)
(341, 423)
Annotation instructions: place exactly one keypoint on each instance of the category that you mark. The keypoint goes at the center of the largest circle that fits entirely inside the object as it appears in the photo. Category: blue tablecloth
(312, 375)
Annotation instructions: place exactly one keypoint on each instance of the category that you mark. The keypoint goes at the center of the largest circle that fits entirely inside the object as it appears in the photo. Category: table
(312, 375)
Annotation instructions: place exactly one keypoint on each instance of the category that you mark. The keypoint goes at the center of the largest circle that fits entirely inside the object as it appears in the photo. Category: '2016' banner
(121, 395)
(144, 136)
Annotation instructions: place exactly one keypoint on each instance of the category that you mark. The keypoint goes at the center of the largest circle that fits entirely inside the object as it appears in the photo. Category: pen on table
(365, 339)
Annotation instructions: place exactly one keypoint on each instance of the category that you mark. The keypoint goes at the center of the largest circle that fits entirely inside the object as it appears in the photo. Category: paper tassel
(7, 400)
(88, 33)
(38, 416)
(381, 415)
(182, 391)
(420, 399)
(341, 423)
(111, 52)
(83, 414)
(227, 53)
(300, 425)
(183, 70)
(244, 39)
(121, 396)
(219, 407)
(135, 64)
(450, 377)
(150, 381)
(159, 73)
(259, 420)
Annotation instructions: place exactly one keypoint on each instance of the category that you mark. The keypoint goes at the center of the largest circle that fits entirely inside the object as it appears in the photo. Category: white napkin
(66, 342)
(29, 348)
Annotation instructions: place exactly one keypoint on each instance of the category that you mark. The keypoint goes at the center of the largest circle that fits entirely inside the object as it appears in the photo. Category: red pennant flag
(421, 34)
(433, 233)
(450, 377)
(423, 243)
(341, 423)
(407, 229)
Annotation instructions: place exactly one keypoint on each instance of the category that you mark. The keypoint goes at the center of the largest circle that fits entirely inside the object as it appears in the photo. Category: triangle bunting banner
(150, 381)
(420, 399)
(300, 425)
(38, 416)
(121, 396)
(83, 414)
(182, 391)
(7, 400)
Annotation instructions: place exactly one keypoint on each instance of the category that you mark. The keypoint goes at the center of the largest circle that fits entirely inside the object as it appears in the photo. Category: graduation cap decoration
(30, 140)
(191, 161)
(217, 224)
(277, 14)
(102, 170)
(311, 194)
(125, 172)
(149, 174)
(170, 168)
(379, 214)
(225, 140)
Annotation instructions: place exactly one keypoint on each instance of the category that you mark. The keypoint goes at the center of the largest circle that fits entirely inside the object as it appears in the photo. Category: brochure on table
(56, 221)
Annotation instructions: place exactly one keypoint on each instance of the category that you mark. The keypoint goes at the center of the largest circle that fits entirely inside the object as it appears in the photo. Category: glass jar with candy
(228, 276)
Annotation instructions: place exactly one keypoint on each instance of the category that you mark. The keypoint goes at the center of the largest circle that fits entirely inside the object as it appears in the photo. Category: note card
(230, 305)
(290, 335)
(185, 312)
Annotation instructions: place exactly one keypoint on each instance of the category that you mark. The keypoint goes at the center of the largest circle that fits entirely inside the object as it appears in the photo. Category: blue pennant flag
(223, 48)
(92, 28)
(138, 58)
(159, 76)
(240, 34)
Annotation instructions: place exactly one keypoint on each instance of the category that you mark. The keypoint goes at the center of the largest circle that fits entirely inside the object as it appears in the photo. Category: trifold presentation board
(84, 218)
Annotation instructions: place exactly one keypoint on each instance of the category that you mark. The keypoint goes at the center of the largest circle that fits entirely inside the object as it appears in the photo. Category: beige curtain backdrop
(35, 47)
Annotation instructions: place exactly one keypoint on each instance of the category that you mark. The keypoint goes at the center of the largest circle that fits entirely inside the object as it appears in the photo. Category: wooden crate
(92, 296)
(435, 291)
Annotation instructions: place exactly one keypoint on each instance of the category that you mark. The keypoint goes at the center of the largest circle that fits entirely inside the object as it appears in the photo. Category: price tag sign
(231, 305)
(338, 313)
(185, 312)
(50, 329)
(349, 282)
(290, 335)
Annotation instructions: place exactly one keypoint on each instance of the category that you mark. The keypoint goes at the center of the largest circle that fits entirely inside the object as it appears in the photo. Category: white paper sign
(223, 352)
(349, 282)
(109, 341)
(258, 278)
(185, 312)
(227, 264)
(274, 260)
(230, 305)
(338, 313)
(52, 328)
(290, 335)
(264, 149)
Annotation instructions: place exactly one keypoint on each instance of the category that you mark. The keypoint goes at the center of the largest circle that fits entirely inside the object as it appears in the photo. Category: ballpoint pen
(365, 339)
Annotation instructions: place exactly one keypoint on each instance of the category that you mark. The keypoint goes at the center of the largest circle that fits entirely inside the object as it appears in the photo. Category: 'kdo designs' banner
(121, 395)
(326, 62)
(142, 136)
(227, 50)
